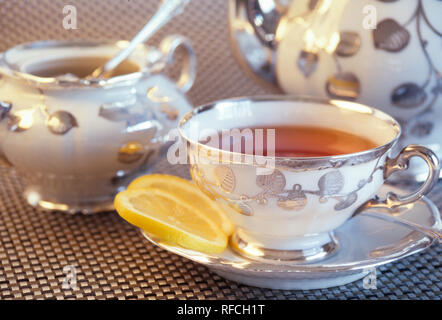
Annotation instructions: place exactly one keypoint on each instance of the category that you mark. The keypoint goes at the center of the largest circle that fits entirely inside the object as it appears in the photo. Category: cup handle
(399, 163)
(168, 47)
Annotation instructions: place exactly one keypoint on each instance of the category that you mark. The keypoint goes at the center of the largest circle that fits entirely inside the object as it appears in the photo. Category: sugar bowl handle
(5, 108)
(401, 162)
(168, 47)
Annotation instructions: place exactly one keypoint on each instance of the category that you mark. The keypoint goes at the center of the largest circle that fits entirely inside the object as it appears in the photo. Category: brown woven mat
(111, 258)
(113, 261)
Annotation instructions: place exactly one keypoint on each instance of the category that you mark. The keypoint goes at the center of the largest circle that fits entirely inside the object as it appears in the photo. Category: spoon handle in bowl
(166, 11)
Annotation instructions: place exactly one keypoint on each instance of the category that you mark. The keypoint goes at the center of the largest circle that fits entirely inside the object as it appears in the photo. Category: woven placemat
(111, 259)
(38, 250)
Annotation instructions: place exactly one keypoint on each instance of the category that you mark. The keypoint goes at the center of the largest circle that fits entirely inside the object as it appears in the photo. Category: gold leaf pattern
(422, 129)
(241, 208)
(60, 122)
(331, 183)
(273, 186)
(5, 107)
(347, 201)
(390, 36)
(274, 182)
(349, 44)
(295, 200)
(307, 62)
(225, 178)
(408, 95)
(343, 85)
(131, 152)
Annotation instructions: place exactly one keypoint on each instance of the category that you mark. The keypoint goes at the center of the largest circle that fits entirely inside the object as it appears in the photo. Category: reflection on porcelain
(77, 142)
(324, 48)
(289, 211)
(365, 243)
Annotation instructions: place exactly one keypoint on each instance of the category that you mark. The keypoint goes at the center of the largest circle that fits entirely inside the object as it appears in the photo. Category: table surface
(111, 260)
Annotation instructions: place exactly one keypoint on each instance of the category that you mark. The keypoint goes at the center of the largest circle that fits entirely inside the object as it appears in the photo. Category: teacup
(286, 208)
(77, 141)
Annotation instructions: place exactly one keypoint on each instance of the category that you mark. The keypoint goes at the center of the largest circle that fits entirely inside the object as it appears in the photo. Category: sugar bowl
(76, 141)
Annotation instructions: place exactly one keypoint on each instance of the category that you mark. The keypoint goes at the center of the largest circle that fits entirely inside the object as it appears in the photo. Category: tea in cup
(290, 170)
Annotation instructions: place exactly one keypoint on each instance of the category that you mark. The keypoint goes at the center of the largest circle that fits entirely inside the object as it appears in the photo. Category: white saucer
(365, 242)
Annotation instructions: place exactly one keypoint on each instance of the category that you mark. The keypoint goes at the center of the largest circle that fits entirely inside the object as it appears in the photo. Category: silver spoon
(165, 12)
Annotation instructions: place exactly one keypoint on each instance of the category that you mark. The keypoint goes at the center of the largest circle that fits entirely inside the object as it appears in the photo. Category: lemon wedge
(164, 215)
(189, 194)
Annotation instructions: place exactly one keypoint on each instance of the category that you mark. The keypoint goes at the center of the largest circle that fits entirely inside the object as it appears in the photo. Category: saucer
(365, 242)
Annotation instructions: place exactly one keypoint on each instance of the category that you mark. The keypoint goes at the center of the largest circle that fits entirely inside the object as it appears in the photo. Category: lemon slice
(165, 216)
(189, 194)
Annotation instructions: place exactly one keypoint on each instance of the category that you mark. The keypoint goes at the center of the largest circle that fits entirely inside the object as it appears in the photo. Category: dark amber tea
(299, 141)
(80, 67)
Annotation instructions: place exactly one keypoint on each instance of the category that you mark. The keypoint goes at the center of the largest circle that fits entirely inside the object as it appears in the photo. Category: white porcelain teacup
(286, 208)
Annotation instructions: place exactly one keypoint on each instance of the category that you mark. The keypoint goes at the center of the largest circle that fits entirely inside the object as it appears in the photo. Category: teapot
(76, 141)
(383, 53)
